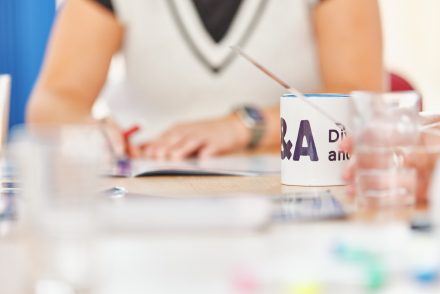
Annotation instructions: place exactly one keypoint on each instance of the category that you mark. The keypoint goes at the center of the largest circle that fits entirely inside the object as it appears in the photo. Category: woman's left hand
(202, 139)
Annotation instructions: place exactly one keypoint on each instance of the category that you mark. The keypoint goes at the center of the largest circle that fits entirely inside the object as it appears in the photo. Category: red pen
(126, 135)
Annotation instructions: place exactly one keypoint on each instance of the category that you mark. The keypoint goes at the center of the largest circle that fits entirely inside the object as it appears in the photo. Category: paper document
(225, 165)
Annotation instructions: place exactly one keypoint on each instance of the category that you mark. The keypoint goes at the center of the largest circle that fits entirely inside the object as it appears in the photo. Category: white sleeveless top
(175, 72)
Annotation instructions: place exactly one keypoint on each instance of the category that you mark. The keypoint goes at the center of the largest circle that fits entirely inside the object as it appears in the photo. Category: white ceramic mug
(310, 154)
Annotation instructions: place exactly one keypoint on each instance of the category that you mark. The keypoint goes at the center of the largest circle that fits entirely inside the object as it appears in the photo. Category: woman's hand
(202, 139)
(118, 140)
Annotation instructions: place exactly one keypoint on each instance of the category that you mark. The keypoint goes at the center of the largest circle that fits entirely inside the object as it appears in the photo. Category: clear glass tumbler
(386, 130)
(58, 172)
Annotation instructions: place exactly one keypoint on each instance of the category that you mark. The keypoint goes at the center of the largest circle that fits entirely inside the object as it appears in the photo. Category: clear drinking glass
(386, 129)
(58, 171)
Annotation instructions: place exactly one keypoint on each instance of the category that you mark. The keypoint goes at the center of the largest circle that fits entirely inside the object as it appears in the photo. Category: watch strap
(253, 119)
(256, 136)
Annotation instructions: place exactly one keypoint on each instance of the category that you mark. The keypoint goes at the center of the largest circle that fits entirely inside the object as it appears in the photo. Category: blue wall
(24, 30)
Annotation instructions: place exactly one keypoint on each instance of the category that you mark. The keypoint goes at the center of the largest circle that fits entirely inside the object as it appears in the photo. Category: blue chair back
(24, 30)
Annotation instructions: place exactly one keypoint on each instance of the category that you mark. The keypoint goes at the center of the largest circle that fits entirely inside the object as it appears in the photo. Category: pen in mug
(290, 89)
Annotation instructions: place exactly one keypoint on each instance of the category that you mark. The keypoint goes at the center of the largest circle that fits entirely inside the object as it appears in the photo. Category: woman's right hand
(118, 139)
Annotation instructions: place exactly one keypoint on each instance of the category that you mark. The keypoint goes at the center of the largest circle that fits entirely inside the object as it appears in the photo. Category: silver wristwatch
(252, 117)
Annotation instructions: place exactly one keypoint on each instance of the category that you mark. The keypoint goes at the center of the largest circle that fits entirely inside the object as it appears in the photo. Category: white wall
(412, 44)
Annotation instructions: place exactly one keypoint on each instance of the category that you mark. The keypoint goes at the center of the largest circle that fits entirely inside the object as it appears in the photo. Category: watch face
(253, 113)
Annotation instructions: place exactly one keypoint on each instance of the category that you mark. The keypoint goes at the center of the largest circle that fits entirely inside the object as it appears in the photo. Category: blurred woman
(184, 86)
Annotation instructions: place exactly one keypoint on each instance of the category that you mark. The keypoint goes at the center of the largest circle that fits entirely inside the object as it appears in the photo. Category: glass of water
(386, 129)
(58, 169)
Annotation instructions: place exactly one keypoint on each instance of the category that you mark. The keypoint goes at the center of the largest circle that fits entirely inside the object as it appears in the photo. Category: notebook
(218, 166)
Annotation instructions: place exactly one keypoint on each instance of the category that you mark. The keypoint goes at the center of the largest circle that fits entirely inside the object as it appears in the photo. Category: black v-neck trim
(217, 16)
(197, 51)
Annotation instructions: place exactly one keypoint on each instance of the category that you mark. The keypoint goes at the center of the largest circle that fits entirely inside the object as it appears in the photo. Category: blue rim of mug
(317, 95)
